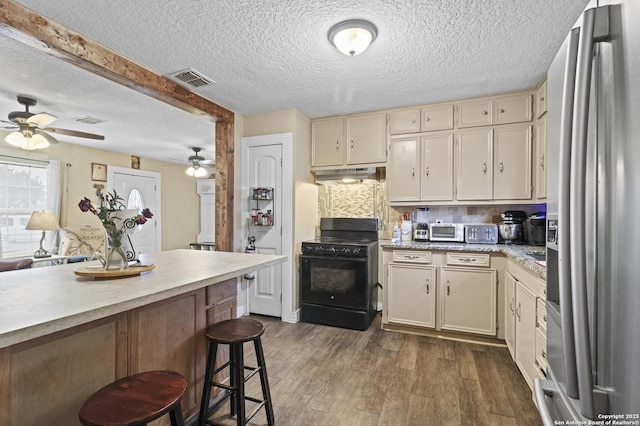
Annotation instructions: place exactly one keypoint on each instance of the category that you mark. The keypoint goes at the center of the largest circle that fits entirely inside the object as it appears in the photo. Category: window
(24, 187)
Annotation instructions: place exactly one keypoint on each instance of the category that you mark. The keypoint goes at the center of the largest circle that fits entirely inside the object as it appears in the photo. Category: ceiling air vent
(191, 77)
(89, 120)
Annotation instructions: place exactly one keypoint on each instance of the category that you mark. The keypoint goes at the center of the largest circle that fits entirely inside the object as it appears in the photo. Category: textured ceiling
(274, 55)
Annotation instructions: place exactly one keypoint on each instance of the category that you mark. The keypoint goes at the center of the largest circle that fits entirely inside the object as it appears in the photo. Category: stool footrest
(254, 370)
(223, 386)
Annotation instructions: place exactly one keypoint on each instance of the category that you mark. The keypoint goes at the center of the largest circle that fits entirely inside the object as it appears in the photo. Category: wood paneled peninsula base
(63, 337)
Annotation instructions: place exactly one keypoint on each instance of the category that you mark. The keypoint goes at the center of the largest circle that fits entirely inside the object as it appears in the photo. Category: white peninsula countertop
(40, 301)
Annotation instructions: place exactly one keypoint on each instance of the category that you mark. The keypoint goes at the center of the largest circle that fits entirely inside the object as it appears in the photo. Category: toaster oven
(446, 232)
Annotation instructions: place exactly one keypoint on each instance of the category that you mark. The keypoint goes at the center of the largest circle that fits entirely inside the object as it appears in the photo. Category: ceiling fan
(30, 131)
(196, 163)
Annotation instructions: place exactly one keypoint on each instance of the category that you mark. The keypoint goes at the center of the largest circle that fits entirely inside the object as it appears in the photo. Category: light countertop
(36, 302)
(519, 253)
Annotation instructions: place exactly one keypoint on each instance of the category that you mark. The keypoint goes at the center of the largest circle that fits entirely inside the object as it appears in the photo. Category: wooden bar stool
(136, 400)
(235, 333)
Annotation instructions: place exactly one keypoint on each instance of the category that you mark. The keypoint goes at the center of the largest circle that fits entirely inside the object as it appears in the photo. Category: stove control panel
(334, 250)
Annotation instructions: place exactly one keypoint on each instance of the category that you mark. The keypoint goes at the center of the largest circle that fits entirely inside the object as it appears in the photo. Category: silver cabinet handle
(485, 112)
(544, 355)
(501, 167)
(413, 172)
(501, 111)
(427, 119)
(351, 144)
(519, 311)
(413, 121)
(466, 260)
(484, 167)
(427, 285)
(542, 161)
(448, 288)
(337, 145)
(410, 256)
(427, 171)
(511, 305)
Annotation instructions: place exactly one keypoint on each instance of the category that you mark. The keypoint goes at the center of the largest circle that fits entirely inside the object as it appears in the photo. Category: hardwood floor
(331, 376)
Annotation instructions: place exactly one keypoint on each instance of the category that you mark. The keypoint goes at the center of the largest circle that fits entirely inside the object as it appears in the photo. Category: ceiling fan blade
(11, 127)
(42, 119)
(74, 133)
(47, 136)
(208, 162)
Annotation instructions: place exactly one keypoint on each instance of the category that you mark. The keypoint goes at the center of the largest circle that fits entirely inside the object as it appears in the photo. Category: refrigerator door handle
(542, 388)
(579, 285)
(564, 216)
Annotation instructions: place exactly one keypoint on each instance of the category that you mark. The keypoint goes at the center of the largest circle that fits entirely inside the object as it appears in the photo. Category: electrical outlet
(438, 220)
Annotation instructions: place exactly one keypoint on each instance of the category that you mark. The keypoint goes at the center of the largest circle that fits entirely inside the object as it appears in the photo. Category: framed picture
(99, 172)
(135, 162)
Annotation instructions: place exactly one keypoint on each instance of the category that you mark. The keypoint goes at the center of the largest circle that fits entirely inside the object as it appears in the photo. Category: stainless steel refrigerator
(593, 246)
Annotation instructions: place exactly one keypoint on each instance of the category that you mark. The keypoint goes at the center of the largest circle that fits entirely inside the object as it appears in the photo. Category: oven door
(334, 281)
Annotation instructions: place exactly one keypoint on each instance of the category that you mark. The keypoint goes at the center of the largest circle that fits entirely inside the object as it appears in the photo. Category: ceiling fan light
(191, 171)
(200, 172)
(352, 37)
(15, 139)
(39, 141)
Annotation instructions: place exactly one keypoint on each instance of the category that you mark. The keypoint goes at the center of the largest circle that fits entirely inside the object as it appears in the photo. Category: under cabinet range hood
(346, 175)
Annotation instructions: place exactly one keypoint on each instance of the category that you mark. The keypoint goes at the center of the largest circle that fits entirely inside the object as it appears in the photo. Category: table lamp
(42, 221)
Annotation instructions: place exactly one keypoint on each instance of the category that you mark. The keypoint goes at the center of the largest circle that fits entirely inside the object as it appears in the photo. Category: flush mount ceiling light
(352, 37)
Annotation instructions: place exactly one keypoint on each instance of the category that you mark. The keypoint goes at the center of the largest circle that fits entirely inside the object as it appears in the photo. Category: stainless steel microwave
(446, 232)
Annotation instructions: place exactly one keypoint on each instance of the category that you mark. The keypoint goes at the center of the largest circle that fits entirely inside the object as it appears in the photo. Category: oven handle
(350, 259)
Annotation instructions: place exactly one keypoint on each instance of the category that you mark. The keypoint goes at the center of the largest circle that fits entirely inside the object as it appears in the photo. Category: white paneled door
(140, 190)
(265, 171)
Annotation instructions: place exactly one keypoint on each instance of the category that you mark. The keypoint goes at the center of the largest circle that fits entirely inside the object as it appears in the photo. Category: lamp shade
(196, 171)
(30, 142)
(42, 221)
(352, 37)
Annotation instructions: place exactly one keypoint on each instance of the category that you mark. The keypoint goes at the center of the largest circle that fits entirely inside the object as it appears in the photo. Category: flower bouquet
(117, 220)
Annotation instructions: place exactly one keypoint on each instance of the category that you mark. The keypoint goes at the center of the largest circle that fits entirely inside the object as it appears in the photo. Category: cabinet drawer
(437, 117)
(513, 109)
(541, 315)
(541, 350)
(221, 292)
(404, 121)
(415, 256)
(542, 283)
(469, 259)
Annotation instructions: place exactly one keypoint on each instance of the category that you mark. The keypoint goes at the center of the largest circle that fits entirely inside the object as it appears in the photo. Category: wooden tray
(98, 272)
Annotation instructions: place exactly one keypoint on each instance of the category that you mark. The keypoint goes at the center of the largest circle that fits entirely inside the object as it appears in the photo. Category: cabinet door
(512, 162)
(327, 142)
(541, 158)
(468, 300)
(512, 109)
(526, 332)
(437, 117)
(404, 121)
(437, 168)
(541, 99)
(367, 139)
(474, 113)
(474, 164)
(404, 178)
(510, 312)
(412, 290)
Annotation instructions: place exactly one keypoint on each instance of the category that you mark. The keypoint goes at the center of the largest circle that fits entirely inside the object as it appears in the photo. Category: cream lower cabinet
(494, 163)
(468, 300)
(411, 295)
(520, 320)
(421, 169)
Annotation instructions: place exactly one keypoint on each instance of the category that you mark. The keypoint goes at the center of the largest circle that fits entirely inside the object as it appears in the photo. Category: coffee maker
(420, 219)
(534, 229)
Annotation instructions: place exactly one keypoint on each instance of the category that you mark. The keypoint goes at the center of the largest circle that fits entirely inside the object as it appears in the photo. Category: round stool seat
(134, 400)
(235, 331)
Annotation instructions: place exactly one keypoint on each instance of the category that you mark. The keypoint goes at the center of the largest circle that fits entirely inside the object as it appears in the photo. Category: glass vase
(115, 257)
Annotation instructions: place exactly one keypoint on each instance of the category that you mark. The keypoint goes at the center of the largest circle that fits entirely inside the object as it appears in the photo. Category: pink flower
(85, 205)
(147, 214)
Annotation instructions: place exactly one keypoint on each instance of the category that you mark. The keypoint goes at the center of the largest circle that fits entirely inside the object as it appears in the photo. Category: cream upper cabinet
(366, 138)
(541, 99)
(468, 300)
(540, 162)
(512, 109)
(327, 140)
(351, 140)
(421, 169)
(437, 167)
(403, 176)
(475, 112)
(404, 121)
(512, 162)
(437, 117)
(474, 164)
(411, 297)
